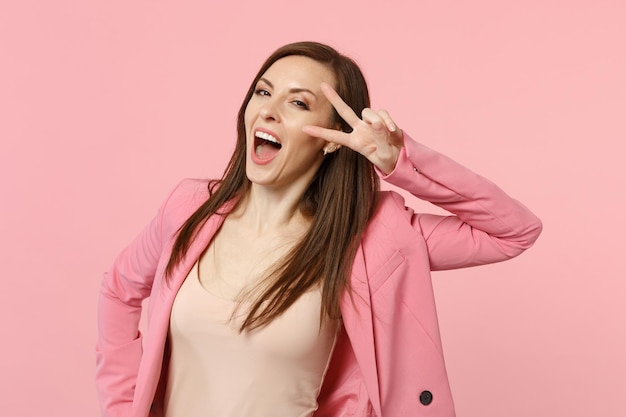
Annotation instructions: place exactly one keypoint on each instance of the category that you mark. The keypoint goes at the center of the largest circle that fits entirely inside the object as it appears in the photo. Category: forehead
(300, 70)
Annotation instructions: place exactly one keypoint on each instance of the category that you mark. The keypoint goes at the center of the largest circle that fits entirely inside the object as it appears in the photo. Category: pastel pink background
(105, 105)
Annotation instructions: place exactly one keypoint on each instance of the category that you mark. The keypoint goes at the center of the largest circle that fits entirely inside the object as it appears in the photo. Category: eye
(301, 104)
(261, 92)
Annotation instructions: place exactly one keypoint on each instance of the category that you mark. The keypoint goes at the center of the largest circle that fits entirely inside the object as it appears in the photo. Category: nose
(269, 111)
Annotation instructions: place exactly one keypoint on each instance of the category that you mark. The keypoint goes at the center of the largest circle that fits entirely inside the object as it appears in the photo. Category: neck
(265, 210)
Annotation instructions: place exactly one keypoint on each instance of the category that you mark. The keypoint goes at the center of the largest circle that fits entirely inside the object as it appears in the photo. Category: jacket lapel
(148, 377)
(357, 316)
(198, 245)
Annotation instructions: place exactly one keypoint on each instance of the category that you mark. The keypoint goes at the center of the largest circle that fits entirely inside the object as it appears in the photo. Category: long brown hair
(339, 201)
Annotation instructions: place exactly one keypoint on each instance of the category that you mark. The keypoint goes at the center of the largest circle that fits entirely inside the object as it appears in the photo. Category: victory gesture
(374, 135)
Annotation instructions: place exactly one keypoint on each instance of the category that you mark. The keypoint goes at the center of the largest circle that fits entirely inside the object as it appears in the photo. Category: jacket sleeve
(487, 226)
(124, 287)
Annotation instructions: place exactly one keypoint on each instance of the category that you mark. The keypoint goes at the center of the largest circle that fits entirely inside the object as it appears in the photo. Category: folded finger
(374, 119)
(368, 115)
(388, 120)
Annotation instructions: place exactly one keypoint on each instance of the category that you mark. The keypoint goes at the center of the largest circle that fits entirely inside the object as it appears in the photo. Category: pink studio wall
(105, 105)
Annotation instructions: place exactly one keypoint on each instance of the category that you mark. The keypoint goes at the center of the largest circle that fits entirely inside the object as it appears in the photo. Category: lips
(265, 147)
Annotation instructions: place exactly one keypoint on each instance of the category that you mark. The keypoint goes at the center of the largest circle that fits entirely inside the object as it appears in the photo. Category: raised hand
(374, 135)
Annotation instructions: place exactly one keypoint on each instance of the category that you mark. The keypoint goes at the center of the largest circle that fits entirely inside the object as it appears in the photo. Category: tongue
(265, 151)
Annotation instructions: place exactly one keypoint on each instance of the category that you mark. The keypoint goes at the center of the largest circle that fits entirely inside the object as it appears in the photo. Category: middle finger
(370, 116)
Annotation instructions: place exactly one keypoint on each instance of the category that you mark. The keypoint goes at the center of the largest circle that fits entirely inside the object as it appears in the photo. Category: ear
(331, 147)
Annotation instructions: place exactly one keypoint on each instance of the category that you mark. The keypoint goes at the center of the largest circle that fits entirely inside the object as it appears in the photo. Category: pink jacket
(388, 361)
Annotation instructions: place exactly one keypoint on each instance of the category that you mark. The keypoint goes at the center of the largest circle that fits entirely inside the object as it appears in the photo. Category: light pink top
(274, 371)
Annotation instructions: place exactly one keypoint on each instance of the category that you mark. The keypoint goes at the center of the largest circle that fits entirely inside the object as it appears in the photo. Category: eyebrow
(292, 90)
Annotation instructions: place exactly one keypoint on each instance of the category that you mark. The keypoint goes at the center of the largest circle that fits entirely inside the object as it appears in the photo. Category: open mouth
(266, 146)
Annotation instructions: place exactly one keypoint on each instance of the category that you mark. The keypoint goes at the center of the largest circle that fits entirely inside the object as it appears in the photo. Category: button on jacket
(388, 359)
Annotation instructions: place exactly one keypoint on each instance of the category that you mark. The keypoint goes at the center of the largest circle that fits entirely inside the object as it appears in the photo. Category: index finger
(342, 108)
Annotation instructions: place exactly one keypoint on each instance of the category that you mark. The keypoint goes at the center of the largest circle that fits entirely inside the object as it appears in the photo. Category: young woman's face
(286, 98)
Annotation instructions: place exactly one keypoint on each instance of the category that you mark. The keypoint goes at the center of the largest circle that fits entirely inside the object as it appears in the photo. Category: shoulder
(191, 188)
(392, 221)
(185, 198)
(391, 199)
(391, 208)
(390, 238)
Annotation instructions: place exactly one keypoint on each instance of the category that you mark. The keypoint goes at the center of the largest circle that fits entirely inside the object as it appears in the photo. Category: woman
(293, 286)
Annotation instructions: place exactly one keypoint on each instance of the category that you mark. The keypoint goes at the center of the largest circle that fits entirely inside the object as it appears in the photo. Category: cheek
(313, 147)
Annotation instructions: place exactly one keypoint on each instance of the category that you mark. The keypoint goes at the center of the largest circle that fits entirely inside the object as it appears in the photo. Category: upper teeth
(266, 136)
